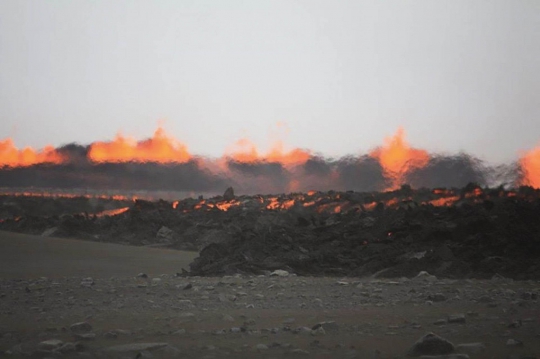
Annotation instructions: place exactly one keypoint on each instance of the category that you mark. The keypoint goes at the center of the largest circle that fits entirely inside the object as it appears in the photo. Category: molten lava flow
(530, 165)
(115, 197)
(224, 206)
(160, 148)
(475, 193)
(397, 158)
(444, 201)
(13, 157)
(245, 151)
(112, 212)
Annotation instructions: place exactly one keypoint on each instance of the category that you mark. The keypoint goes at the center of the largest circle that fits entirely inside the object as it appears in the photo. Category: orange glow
(370, 206)
(13, 157)
(175, 204)
(274, 203)
(112, 212)
(477, 192)
(397, 158)
(287, 204)
(392, 202)
(530, 164)
(160, 148)
(115, 197)
(443, 191)
(445, 201)
(200, 204)
(246, 151)
(224, 206)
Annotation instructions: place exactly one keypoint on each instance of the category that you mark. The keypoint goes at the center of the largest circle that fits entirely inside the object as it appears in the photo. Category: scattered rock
(437, 297)
(514, 343)
(319, 331)
(134, 347)
(457, 318)
(87, 282)
(86, 336)
(49, 232)
(227, 318)
(229, 194)
(165, 235)
(80, 328)
(447, 356)
(261, 347)
(110, 335)
(471, 348)
(425, 276)
(67, 348)
(431, 344)
(50, 345)
(279, 273)
(327, 326)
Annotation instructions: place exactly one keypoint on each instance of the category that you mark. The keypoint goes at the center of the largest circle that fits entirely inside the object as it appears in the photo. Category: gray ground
(44, 289)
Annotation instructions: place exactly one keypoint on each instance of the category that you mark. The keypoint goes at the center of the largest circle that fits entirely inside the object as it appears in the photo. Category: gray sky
(457, 75)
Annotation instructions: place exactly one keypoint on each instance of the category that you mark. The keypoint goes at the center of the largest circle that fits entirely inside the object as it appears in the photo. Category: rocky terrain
(409, 273)
(268, 316)
(471, 232)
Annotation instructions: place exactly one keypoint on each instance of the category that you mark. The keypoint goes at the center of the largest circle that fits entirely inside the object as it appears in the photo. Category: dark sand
(26, 257)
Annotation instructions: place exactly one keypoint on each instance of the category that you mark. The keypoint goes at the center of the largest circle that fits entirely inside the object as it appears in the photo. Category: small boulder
(80, 328)
(50, 345)
(279, 273)
(229, 194)
(87, 282)
(425, 276)
(457, 318)
(431, 344)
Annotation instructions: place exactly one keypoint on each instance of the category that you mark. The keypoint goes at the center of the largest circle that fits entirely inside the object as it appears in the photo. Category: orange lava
(115, 197)
(161, 148)
(112, 212)
(13, 157)
(397, 158)
(224, 206)
(476, 193)
(530, 164)
(245, 151)
(444, 201)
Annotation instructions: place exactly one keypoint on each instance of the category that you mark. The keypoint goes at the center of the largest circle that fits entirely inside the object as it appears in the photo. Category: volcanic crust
(471, 232)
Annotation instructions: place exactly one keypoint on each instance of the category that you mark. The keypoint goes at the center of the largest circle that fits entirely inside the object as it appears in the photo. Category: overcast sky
(342, 75)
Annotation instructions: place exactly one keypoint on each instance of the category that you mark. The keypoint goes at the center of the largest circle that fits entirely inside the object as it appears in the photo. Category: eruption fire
(13, 157)
(530, 164)
(397, 158)
(160, 148)
(245, 151)
(138, 166)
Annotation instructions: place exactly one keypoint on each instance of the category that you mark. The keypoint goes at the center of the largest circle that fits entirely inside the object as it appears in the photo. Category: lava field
(472, 232)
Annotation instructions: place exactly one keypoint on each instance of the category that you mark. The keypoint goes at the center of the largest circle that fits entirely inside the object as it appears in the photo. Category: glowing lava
(530, 165)
(13, 157)
(160, 148)
(245, 151)
(397, 158)
(112, 212)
